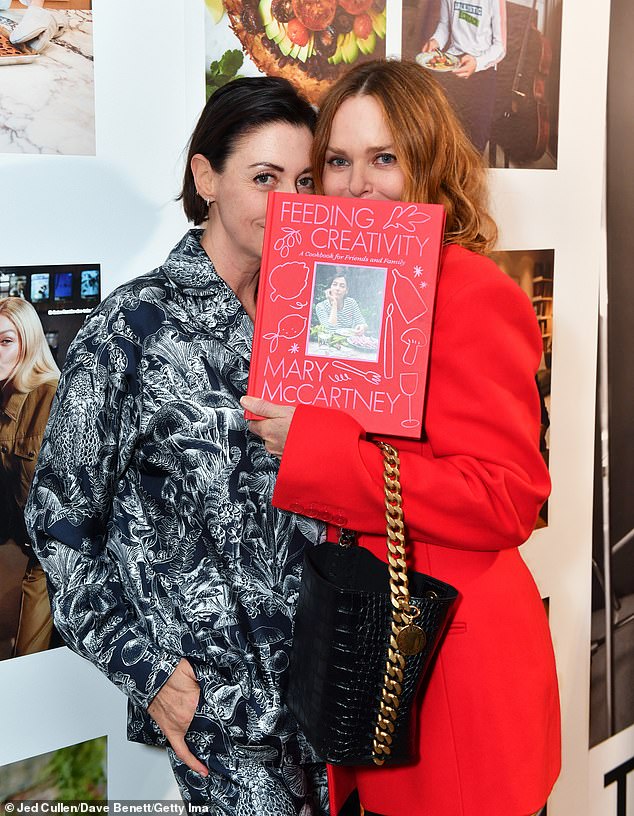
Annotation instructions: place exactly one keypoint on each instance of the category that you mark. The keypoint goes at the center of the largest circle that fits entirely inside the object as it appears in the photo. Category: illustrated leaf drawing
(406, 218)
(284, 244)
(274, 338)
(288, 280)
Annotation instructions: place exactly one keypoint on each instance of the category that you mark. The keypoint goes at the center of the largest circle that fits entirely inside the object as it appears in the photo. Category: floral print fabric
(253, 788)
(151, 511)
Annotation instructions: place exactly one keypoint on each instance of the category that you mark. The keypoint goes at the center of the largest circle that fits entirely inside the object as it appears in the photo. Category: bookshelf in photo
(533, 271)
(542, 299)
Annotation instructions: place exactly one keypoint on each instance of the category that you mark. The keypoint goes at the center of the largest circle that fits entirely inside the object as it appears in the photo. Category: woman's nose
(358, 182)
(287, 186)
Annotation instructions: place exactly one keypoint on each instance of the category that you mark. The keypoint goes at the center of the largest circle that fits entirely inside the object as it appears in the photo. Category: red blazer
(472, 488)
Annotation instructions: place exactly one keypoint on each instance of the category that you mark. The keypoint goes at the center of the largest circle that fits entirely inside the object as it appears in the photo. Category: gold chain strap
(406, 638)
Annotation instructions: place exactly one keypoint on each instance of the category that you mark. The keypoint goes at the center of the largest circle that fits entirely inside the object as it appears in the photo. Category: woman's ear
(204, 177)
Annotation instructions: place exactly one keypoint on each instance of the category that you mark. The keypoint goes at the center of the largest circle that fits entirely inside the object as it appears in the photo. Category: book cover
(345, 305)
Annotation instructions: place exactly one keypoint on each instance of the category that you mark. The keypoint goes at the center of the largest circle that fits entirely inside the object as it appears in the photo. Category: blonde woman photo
(28, 379)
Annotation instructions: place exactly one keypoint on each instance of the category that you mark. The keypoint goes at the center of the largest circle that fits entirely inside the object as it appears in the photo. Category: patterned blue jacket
(151, 510)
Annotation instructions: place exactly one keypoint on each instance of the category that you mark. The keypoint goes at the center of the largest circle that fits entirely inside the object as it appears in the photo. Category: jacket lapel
(210, 303)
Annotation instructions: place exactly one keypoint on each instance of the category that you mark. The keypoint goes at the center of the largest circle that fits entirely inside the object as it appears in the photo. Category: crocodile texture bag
(365, 635)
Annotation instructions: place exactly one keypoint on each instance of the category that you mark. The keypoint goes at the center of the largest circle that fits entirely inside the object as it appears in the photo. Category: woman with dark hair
(151, 507)
(337, 310)
(489, 740)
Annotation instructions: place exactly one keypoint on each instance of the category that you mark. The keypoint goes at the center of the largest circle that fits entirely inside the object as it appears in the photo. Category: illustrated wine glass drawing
(409, 384)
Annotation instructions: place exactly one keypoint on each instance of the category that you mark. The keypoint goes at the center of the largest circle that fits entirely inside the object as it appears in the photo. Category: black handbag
(364, 639)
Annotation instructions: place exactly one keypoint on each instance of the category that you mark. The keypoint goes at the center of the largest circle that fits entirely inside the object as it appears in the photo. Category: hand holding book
(272, 423)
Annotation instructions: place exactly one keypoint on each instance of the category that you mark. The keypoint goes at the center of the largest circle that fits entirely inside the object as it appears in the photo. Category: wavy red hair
(440, 164)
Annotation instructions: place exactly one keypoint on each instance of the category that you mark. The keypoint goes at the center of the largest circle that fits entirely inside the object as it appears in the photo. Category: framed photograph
(76, 772)
(47, 69)
(40, 285)
(347, 307)
(498, 61)
(89, 290)
(18, 286)
(533, 271)
(54, 291)
(63, 286)
(310, 44)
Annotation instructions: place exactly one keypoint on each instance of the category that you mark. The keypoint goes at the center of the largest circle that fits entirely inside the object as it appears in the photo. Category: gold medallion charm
(411, 639)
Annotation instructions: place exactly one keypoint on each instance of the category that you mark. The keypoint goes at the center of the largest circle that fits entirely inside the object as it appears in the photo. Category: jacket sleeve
(478, 480)
(323, 311)
(87, 446)
(443, 29)
(497, 49)
(357, 315)
(37, 408)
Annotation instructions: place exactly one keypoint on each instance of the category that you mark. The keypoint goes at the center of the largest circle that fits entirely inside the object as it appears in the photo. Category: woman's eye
(264, 178)
(337, 161)
(305, 183)
(385, 158)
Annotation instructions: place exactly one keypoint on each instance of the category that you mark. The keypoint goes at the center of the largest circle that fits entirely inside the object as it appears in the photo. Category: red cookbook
(345, 305)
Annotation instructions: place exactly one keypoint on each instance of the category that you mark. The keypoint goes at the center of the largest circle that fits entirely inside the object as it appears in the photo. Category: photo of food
(75, 773)
(533, 271)
(346, 312)
(437, 60)
(47, 103)
(47, 305)
(309, 42)
(498, 62)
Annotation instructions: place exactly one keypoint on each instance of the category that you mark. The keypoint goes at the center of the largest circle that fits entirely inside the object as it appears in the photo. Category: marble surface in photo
(48, 106)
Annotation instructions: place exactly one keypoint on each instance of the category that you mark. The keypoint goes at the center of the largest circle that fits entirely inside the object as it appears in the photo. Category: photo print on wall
(55, 301)
(498, 62)
(533, 271)
(76, 773)
(47, 104)
(612, 616)
(309, 43)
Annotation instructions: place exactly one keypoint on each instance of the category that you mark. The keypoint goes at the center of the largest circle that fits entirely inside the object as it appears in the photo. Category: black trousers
(237, 788)
(473, 100)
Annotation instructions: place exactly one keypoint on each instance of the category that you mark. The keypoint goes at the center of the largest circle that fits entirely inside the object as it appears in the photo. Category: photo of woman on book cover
(343, 325)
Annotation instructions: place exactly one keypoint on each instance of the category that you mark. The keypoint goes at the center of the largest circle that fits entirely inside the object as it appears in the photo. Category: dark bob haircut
(239, 107)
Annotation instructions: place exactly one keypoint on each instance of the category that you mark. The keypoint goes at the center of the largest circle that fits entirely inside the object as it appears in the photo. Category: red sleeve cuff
(323, 442)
